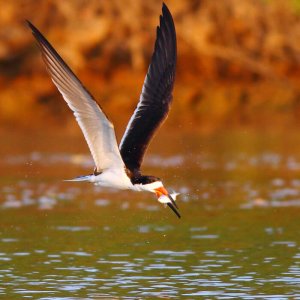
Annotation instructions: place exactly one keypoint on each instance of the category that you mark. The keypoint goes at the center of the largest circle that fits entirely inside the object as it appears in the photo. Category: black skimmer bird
(119, 167)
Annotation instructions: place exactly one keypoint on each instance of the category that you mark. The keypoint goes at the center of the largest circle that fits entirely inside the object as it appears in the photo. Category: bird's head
(154, 185)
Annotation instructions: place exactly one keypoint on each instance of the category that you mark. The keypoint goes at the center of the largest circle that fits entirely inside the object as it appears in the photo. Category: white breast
(113, 178)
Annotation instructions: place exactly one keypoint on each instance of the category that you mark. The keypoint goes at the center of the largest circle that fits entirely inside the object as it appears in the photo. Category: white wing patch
(97, 129)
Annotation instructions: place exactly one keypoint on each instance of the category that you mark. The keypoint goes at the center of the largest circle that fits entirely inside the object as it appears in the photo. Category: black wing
(156, 96)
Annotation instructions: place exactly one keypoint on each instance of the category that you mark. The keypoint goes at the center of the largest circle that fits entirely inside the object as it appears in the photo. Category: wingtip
(167, 18)
(30, 25)
(36, 33)
(165, 9)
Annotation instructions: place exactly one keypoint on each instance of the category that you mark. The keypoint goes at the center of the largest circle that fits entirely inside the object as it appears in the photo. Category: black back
(156, 96)
(142, 179)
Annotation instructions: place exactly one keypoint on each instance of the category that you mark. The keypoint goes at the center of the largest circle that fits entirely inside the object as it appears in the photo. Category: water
(238, 236)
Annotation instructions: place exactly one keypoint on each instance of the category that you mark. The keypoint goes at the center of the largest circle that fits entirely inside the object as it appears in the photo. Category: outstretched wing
(97, 129)
(156, 96)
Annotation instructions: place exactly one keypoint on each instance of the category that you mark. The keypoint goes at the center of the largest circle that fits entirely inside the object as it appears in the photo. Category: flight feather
(156, 95)
(97, 129)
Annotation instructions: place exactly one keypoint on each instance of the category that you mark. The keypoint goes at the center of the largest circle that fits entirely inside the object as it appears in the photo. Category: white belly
(113, 178)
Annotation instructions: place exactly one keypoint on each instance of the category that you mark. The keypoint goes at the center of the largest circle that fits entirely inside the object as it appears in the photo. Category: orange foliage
(238, 61)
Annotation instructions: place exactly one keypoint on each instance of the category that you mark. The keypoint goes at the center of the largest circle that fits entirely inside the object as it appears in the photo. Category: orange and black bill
(170, 204)
(162, 191)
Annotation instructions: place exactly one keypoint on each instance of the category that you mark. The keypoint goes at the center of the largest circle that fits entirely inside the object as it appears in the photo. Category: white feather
(97, 129)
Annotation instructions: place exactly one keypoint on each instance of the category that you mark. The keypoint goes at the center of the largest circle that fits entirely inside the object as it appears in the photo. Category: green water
(238, 236)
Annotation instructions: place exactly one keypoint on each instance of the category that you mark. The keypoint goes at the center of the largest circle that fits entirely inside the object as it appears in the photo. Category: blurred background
(231, 148)
(238, 61)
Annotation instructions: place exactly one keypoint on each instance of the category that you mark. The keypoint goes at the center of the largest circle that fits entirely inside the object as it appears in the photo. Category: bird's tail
(81, 178)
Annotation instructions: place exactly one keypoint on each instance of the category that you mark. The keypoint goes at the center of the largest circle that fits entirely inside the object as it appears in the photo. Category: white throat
(150, 187)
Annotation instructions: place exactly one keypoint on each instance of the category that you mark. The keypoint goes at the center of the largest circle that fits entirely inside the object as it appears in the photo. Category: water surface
(238, 236)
